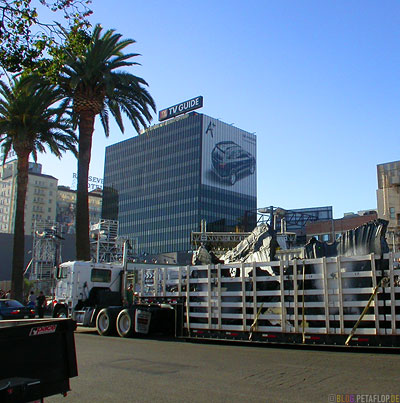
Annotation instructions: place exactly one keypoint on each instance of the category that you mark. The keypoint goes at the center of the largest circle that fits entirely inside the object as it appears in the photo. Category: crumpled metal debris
(363, 240)
(202, 256)
(259, 246)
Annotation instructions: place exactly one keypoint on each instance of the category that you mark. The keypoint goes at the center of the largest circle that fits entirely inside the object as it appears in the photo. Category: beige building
(40, 201)
(388, 197)
(5, 204)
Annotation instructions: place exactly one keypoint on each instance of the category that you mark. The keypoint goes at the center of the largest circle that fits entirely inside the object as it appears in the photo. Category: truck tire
(105, 322)
(125, 323)
(60, 312)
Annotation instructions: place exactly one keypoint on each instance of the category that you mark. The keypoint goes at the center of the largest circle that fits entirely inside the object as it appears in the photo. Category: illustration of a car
(230, 161)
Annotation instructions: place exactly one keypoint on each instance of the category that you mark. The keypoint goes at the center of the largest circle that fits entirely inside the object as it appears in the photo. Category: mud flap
(142, 321)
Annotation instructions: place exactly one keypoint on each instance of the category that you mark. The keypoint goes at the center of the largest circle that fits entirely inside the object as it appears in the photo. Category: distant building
(297, 220)
(330, 230)
(162, 184)
(44, 200)
(388, 197)
(293, 222)
(66, 207)
(40, 203)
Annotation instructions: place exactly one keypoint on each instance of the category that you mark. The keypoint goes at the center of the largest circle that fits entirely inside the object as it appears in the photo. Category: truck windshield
(100, 276)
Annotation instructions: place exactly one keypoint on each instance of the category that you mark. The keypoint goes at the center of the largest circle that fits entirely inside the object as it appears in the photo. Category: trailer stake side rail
(335, 301)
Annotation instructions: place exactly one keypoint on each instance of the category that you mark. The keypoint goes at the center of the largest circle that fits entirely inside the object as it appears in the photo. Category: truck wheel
(60, 312)
(125, 323)
(105, 322)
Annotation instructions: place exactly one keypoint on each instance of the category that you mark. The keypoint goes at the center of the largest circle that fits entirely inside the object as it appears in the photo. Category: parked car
(12, 309)
(229, 161)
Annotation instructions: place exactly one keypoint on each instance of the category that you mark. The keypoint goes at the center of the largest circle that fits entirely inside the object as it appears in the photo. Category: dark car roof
(9, 300)
(225, 145)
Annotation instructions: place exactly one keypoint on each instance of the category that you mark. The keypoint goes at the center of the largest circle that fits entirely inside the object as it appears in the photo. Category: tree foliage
(28, 41)
(93, 82)
(30, 120)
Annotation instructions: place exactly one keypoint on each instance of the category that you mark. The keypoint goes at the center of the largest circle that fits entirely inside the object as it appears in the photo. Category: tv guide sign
(179, 109)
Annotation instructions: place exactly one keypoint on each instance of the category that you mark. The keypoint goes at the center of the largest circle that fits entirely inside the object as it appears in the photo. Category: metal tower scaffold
(46, 252)
(105, 244)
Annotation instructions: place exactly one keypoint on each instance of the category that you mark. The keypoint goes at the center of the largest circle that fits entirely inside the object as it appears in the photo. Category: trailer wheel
(105, 322)
(125, 323)
(60, 312)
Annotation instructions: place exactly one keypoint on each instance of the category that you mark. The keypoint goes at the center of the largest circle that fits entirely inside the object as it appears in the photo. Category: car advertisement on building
(228, 157)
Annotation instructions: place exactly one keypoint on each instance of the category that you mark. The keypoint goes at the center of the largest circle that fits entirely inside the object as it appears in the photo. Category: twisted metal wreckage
(345, 288)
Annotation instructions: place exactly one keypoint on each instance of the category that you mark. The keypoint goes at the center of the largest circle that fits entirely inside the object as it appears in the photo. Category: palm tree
(29, 123)
(91, 82)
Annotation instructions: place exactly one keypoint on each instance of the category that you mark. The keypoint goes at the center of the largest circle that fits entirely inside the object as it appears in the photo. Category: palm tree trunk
(17, 276)
(86, 128)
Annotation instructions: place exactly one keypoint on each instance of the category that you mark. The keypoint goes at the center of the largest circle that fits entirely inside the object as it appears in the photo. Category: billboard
(228, 157)
(179, 109)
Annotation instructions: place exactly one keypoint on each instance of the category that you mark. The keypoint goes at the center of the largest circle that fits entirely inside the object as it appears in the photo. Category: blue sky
(317, 81)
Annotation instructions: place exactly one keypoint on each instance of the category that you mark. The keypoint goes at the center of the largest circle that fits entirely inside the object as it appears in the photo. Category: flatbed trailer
(336, 301)
(38, 357)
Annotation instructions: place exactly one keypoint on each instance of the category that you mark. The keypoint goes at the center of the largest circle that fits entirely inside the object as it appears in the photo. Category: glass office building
(161, 184)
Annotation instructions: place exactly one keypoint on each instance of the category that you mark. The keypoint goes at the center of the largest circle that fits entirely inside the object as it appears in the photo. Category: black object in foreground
(39, 358)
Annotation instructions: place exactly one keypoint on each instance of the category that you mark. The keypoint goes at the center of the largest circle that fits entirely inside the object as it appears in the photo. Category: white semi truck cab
(79, 282)
(95, 295)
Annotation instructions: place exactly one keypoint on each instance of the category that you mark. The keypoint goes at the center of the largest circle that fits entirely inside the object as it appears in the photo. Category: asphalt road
(112, 369)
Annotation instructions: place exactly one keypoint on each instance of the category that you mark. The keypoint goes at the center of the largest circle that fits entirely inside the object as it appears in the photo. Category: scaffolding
(105, 245)
(46, 253)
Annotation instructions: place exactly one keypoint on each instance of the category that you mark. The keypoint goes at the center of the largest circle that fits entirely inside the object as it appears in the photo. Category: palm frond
(94, 76)
(116, 112)
(32, 118)
(104, 121)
